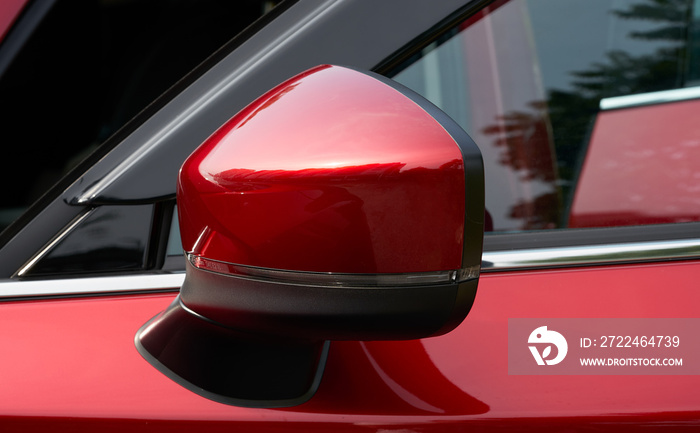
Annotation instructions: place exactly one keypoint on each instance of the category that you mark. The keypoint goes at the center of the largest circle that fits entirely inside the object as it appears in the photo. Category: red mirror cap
(339, 205)
(332, 171)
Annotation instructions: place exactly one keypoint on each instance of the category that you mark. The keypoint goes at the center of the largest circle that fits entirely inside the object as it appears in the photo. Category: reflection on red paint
(352, 177)
(642, 167)
(402, 377)
(9, 11)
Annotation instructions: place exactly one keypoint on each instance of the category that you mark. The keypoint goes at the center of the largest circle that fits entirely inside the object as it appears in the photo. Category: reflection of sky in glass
(586, 29)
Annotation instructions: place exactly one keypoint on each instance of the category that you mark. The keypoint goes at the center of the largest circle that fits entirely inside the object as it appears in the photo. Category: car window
(583, 111)
(86, 69)
(90, 66)
(108, 239)
(174, 247)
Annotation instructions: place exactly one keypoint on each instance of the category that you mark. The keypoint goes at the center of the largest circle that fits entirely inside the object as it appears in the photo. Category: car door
(98, 256)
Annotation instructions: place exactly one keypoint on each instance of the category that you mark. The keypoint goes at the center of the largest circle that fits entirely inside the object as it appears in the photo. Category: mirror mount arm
(230, 366)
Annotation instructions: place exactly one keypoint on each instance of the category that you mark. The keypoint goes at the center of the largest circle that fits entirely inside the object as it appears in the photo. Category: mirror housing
(340, 205)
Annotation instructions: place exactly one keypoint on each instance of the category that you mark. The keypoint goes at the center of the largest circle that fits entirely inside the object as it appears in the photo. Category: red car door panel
(64, 365)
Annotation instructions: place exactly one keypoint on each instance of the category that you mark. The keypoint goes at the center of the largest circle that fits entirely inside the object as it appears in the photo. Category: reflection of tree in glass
(662, 69)
(524, 138)
(540, 213)
(572, 112)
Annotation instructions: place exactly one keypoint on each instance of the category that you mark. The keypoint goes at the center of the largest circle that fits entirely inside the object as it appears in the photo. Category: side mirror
(338, 206)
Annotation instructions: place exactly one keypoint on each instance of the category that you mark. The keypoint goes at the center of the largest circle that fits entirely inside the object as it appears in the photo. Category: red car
(349, 215)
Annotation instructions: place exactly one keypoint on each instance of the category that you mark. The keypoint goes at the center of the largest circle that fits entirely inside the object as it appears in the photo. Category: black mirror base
(230, 366)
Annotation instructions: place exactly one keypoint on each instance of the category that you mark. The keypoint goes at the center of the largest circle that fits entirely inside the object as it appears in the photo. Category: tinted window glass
(545, 88)
(87, 69)
(174, 247)
(111, 238)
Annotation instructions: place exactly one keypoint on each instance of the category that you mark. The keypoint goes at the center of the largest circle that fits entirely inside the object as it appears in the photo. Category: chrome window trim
(651, 98)
(91, 285)
(631, 252)
(53, 242)
(492, 261)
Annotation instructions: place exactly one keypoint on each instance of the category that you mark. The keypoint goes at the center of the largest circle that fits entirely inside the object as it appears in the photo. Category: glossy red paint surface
(641, 168)
(9, 11)
(71, 365)
(332, 171)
